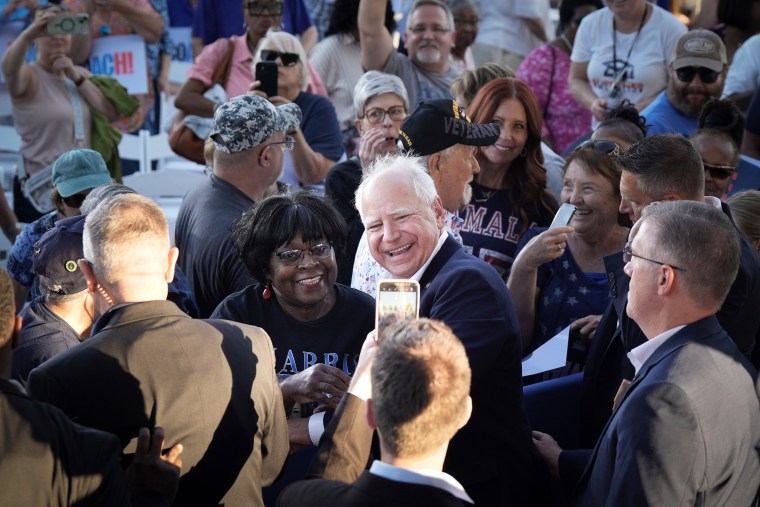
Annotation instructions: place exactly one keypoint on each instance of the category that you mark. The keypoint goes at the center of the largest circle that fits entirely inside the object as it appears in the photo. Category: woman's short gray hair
(286, 43)
(374, 83)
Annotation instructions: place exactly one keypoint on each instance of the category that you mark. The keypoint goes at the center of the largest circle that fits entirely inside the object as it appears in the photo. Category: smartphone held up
(564, 215)
(397, 300)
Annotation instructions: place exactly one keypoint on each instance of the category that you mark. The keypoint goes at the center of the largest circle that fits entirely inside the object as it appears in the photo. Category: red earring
(267, 295)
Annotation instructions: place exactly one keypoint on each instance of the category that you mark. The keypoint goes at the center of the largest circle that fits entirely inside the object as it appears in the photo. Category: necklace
(622, 73)
(480, 194)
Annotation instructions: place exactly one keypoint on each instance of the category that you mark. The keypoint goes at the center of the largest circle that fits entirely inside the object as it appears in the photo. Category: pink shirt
(240, 74)
(547, 68)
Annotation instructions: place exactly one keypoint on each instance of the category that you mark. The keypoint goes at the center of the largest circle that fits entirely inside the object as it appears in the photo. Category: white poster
(181, 37)
(121, 57)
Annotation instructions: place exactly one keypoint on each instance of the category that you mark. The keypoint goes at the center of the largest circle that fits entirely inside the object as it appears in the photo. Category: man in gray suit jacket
(210, 384)
(686, 431)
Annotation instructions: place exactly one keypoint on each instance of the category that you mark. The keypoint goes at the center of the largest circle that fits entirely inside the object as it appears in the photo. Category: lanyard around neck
(614, 38)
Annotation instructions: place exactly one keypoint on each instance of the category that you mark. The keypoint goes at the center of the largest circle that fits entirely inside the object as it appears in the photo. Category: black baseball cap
(439, 124)
(56, 255)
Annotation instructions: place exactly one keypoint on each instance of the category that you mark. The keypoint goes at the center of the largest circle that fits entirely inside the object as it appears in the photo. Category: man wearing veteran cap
(75, 174)
(697, 74)
(444, 137)
(250, 143)
(63, 315)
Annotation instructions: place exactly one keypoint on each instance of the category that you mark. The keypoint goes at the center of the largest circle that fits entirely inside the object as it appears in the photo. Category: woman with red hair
(509, 194)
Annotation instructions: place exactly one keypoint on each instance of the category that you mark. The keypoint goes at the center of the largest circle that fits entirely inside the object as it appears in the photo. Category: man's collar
(441, 240)
(432, 478)
(639, 355)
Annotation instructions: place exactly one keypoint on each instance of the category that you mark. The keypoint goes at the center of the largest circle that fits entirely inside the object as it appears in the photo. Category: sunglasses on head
(287, 59)
(707, 76)
(719, 172)
(74, 201)
(257, 9)
(601, 146)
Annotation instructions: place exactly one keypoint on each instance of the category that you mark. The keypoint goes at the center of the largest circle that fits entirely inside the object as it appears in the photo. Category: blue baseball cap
(78, 170)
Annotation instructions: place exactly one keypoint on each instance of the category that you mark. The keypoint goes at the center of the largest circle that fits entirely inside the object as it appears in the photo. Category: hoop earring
(267, 294)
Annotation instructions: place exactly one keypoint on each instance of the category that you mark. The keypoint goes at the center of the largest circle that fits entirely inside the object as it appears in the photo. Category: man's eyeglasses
(719, 172)
(707, 76)
(74, 201)
(287, 59)
(257, 9)
(601, 146)
(437, 30)
(288, 143)
(628, 256)
(377, 115)
(294, 257)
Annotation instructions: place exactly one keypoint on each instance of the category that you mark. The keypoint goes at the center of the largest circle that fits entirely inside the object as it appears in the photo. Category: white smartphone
(397, 300)
(564, 215)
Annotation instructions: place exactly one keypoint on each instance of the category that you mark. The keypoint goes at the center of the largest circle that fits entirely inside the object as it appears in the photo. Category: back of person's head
(55, 262)
(745, 208)
(420, 387)
(374, 83)
(469, 82)
(403, 166)
(276, 220)
(700, 239)
(344, 15)
(737, 13)
(286, 43)
(725, 116)
(126, 236)
(567, 10)
(102, 193)
(665, 164)
(623, 125)
(7, 308)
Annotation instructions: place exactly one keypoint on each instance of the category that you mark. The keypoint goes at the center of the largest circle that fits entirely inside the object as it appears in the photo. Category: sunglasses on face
(74, 201)
(719, 172)
(287, 59)
(257, 9)
(707, 76)
(601, 146)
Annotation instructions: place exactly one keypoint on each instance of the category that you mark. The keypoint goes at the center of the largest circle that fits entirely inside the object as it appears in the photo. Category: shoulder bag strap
(224, 67)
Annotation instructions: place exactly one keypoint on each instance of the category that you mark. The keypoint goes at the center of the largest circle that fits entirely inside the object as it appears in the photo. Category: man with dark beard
(697, 73)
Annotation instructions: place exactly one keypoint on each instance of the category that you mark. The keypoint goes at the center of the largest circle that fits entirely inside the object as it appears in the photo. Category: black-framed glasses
(719, 172)
(288, 143)
(707, 76)
(377, 114)
(287, 59)
(74, 201)
(437, 29)
(602, 146)
(628, 256)
(272, 8)
(294, 257)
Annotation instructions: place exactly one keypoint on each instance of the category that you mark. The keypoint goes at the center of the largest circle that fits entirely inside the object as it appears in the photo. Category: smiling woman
(288, 243)
(558, 276)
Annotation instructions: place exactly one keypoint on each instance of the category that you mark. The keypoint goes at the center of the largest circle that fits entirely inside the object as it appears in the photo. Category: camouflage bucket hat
(248, 120)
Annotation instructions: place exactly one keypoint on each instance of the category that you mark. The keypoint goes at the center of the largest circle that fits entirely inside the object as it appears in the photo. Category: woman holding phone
(319, 142)
(558, 276)
(288, 243)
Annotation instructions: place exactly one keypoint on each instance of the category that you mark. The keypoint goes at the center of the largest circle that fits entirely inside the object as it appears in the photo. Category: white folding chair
(132, 147)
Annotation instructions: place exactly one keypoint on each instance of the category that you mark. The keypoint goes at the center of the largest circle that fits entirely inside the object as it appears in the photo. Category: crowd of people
(209, 367)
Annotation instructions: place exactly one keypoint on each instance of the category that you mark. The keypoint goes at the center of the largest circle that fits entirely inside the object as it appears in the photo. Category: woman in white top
(622, 52)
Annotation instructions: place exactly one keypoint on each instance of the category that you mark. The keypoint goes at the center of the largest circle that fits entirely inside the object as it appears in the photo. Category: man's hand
(150, 472)
(549, 451)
